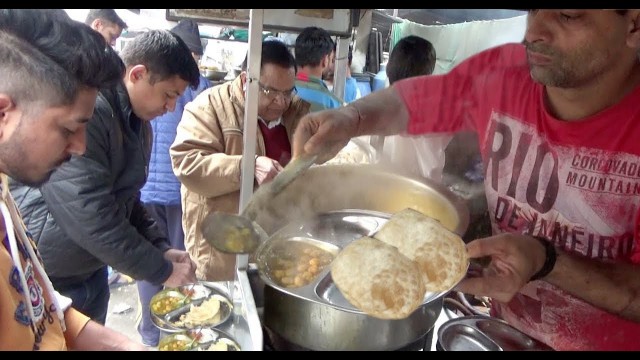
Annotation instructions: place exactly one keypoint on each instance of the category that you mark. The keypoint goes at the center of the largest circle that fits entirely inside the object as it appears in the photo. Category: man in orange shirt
(51, 71)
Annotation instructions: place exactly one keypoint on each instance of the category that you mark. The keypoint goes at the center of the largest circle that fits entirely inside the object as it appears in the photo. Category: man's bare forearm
(97, 337)
(612, 287)
(381, 113)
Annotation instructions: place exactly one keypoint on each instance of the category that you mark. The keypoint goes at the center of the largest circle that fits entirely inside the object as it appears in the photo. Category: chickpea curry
(167, 302)
(297, 263)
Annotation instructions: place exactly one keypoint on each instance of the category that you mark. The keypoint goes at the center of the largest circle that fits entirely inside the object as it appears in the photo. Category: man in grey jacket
(89, 213)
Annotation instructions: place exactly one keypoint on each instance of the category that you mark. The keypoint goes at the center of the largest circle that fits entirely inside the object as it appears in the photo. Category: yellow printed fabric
(16, 332)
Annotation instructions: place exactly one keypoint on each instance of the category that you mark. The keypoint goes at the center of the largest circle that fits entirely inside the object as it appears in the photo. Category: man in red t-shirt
(558, 121)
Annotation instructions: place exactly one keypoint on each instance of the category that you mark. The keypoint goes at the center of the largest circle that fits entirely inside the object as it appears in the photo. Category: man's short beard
(17, 176)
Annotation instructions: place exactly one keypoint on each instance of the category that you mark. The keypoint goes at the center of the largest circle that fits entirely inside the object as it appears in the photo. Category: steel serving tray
(331, 232)
(483, 333)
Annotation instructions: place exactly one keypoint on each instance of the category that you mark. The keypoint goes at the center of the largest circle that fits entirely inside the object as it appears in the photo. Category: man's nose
(171, 105)
(280, 99)
(78, 142)
(537, 28)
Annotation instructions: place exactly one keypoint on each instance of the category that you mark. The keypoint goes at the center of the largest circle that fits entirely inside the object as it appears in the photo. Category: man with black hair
(207, 151)
(411, 56)
(51, 70)
(425, 156)
(314, 52)
(107, 23)
(161, 193)
(351, 90)
(89, 213)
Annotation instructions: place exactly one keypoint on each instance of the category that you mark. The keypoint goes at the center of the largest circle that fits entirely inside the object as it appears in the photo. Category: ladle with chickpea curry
(238, 234)
(232, 234)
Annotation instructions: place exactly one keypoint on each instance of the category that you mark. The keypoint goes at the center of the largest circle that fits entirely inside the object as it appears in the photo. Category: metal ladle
(238, 234)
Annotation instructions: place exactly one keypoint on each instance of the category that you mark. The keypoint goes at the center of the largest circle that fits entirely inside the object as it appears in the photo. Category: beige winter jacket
(206, 156)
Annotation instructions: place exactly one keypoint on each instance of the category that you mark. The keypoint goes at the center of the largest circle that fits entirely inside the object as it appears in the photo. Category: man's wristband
(353, 106)
(549, 261)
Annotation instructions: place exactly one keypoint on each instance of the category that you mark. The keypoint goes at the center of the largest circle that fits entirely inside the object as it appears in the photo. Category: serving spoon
(238, 234)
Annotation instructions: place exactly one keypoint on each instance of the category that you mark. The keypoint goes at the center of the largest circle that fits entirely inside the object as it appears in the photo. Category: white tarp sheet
(456, 42)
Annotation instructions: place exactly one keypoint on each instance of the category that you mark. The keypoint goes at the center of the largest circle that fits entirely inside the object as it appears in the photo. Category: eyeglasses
(272, 93)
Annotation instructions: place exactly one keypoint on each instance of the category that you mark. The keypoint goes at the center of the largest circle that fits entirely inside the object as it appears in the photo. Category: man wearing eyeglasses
(207, 150)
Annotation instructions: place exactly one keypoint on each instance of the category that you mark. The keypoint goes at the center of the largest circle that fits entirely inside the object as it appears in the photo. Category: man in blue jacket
(161, 193)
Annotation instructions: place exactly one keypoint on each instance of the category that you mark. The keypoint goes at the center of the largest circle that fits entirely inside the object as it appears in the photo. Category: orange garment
(16, 331)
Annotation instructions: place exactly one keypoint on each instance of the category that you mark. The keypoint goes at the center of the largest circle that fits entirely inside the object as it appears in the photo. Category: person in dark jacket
(89, 214)
(107, 23)
(161, 193)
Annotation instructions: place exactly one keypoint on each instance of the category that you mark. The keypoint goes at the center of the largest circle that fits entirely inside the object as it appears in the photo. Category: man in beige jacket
(207, 151)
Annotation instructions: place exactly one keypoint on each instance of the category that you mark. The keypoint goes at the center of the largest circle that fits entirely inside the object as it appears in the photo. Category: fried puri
(439, 253)
(377, 279)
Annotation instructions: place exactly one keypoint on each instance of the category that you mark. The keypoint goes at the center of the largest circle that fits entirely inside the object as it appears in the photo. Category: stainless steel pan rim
(335, 187)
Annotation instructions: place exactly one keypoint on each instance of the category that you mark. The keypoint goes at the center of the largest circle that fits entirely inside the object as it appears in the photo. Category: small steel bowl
(214, 75)
(166, 301)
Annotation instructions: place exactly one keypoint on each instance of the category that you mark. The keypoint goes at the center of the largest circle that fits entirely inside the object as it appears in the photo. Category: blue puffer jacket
(162, 186)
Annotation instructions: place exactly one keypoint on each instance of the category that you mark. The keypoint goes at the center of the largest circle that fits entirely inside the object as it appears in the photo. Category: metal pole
(340, 69)
(247, 165)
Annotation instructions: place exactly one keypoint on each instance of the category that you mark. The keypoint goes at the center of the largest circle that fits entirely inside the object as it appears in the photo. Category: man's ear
(6, 109)
(633, 35)
(136, 73)
(243, 78)
(325, 61)
(96, 24)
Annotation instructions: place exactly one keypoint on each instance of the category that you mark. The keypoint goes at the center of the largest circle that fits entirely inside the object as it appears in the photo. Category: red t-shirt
(575, 183)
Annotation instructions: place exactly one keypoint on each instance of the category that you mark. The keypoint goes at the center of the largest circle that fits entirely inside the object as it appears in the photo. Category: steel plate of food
(190, 306)
(199, 339)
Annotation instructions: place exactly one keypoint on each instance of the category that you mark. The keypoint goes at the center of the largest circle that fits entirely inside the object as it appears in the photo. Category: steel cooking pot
(372, 187)
(315, 315)
(333, 187)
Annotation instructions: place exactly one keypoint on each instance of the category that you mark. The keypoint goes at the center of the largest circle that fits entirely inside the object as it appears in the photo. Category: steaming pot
(333, 187)
(332, 205)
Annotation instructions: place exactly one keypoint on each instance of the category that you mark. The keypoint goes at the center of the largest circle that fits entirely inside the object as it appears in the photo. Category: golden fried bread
(439, 253)
(377, 279)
